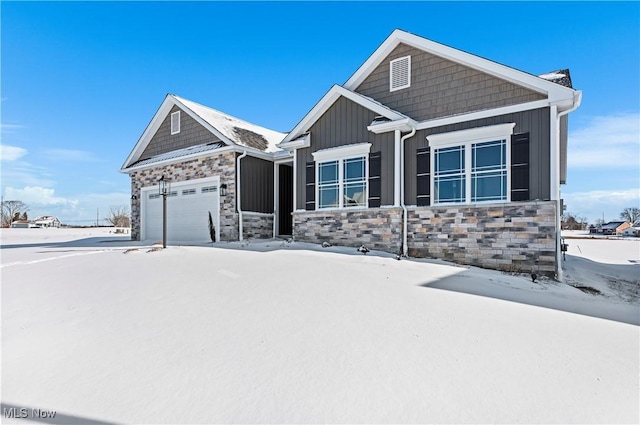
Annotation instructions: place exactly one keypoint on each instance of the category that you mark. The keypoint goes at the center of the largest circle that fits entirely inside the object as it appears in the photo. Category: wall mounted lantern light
(223, 189)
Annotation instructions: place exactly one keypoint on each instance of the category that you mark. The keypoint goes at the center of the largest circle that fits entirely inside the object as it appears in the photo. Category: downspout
(275, 196)
(404, 207)
(238, 197)
(577, 100)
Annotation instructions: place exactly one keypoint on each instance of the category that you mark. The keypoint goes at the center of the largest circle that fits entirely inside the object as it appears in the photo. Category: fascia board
(403, 125)
(329, 99)
(268, 156)
(553, 91)
(148, 133)
(302, 142)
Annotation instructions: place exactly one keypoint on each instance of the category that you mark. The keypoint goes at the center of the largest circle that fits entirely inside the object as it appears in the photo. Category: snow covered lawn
(272, 332)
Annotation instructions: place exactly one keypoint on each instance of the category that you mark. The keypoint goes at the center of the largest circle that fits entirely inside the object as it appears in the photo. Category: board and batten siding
(192, 133)
(345, 123)
(440, 87)
(534, 122)
(256, 177)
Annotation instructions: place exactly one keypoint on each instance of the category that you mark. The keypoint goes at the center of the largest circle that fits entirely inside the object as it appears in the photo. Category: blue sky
(80, 81)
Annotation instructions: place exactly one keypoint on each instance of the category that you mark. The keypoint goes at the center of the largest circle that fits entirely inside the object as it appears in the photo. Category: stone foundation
(376, 228)
(517, 237)
(257, 225)
(511, 237)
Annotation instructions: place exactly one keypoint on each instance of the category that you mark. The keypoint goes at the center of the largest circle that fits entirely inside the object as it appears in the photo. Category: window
(489, 171)
(400, 73)
(342, 176)
(449, 175)
(209, 189)
(175, 122)
(188, 192)
(471, 165)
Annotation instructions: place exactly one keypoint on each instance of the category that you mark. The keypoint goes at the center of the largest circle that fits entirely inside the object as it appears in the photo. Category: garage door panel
(187, 213)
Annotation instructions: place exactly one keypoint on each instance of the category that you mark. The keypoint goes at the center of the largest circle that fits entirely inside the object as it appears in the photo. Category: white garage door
(188, 207)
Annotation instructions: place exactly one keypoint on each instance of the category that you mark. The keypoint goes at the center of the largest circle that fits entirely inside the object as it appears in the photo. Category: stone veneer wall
(257, 225)
(516, 237)
(222, 165)
(376, 228)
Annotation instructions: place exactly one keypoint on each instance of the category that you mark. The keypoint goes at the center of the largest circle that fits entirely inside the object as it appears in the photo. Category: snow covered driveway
(271, 333)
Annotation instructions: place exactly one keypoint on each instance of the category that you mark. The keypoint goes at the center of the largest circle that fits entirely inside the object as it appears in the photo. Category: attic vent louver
(400, 73)
(175, 122)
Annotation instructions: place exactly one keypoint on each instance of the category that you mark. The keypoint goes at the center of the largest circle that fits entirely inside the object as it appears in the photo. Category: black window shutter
(375, 183)
(311, 186)
(520, 167)
(423, 184)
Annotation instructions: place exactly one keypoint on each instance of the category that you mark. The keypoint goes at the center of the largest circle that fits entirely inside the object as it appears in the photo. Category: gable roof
(554, 92)
(329, 99)
(230, 130)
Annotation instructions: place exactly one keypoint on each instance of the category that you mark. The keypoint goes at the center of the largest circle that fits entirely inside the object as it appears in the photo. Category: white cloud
(38, 196)
(70, 155)
(606, 141)
(9, 128)
(11, 153)
(593, 204)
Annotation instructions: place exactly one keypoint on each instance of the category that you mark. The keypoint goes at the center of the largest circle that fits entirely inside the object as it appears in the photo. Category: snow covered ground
(104, 330)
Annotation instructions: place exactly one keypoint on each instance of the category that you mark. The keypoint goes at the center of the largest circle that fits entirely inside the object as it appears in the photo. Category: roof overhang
(268, 156)
(405, 124)
(553, 91)
(329, 99)
(299, 143)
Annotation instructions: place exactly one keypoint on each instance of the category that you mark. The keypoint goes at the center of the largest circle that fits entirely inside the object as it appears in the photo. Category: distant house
(22, 224)
(631, 231)
(615, 227)
(47, 221)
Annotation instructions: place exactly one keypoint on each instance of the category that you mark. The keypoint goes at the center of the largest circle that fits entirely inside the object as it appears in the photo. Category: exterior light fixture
(223, 189)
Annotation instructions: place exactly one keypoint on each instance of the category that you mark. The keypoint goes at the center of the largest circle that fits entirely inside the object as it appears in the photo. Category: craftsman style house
(425, 150)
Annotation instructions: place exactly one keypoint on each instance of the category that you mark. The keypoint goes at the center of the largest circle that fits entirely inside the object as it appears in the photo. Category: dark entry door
(285, 202)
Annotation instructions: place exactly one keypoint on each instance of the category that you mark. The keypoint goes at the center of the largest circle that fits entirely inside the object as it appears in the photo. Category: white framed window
(209, 189)
(175, 122)
(341, 176)
(400, 73)
(188, 192)
(472, 166)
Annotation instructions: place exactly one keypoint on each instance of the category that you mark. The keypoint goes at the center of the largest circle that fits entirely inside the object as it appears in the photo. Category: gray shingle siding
(191, 133)
(440, 87)
(345, 123)
(535, 122)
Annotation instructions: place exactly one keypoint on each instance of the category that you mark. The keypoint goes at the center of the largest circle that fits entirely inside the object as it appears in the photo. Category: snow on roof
(238, 131)
(561, 77)
(180, 153)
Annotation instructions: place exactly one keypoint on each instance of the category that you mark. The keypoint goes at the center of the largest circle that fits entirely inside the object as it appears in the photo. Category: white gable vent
(175, 122)
(400, 73)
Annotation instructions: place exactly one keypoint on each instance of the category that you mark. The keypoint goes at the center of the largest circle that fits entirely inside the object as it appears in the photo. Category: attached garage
(189, 204)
